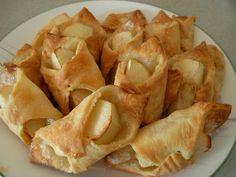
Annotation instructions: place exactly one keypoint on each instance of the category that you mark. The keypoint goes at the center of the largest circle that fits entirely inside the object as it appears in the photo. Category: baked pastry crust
(219, 62)
(74, 151)
(202, 92)
(80, 72)
(18, 107)
(154, 79)
(151, 55)
(175, 140)
(110, 56)
(28, 59)
(167, 30)
(116, 20)
(186, 24)
(172, 87)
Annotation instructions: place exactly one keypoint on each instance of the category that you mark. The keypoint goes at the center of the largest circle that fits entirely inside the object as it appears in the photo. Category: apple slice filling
(60, 57)
(70, 43)
(120, 40)
(137, 72)
(193, 71)
(73, 33)
(78, 30)
(104, 123)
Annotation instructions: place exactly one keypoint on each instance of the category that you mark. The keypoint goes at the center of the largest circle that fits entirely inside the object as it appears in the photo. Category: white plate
(14, 155)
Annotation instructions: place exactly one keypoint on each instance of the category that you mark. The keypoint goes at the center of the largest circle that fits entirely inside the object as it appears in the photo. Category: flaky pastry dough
(79, 74)
(67, 145)
(24, 107)
(170, 144)
(151, 56)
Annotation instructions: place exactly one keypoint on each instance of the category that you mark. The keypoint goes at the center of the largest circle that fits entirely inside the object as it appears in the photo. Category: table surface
(216, 17)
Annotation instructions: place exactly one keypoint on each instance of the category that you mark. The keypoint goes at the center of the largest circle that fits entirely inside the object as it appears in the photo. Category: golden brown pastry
(219, 62)
(103, 122)
(70, 70)
(122, 38)
(144, 70)
(116, 20)
(186, 24)
(167, 30)
(83, 26)
(29, 61)
(198, 77)
(172, 87)
(39, 38)
(24, 107)
(170, 144)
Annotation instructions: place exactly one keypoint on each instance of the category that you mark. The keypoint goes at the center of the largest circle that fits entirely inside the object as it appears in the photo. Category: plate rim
(137, 3)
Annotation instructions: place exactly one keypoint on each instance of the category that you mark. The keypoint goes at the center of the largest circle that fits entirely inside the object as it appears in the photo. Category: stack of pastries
(137, 94)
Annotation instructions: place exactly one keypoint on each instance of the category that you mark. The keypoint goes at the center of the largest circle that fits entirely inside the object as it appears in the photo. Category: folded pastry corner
(103, 122)
(24, 107)
(167, 30)
(115, 20)
(70, 71)
(186, 24)
(124, 37)
(144, 70)
(170, 144)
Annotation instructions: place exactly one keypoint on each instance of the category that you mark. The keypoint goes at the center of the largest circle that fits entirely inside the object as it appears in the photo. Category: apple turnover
(115, 20)
(24, 107)
(170, 144)
(125, 36)
(144, 70)
(103, 122)
(70, 70)
(83, 26)
(198, 71)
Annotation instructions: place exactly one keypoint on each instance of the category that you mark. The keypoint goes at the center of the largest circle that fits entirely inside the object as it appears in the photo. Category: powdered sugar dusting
(6, 78)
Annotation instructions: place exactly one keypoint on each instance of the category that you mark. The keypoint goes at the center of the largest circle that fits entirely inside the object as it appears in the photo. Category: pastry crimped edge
(109, 56)
(209, 117)
(81, 72)
(20, 107)
(82, 152)
(155, 86)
